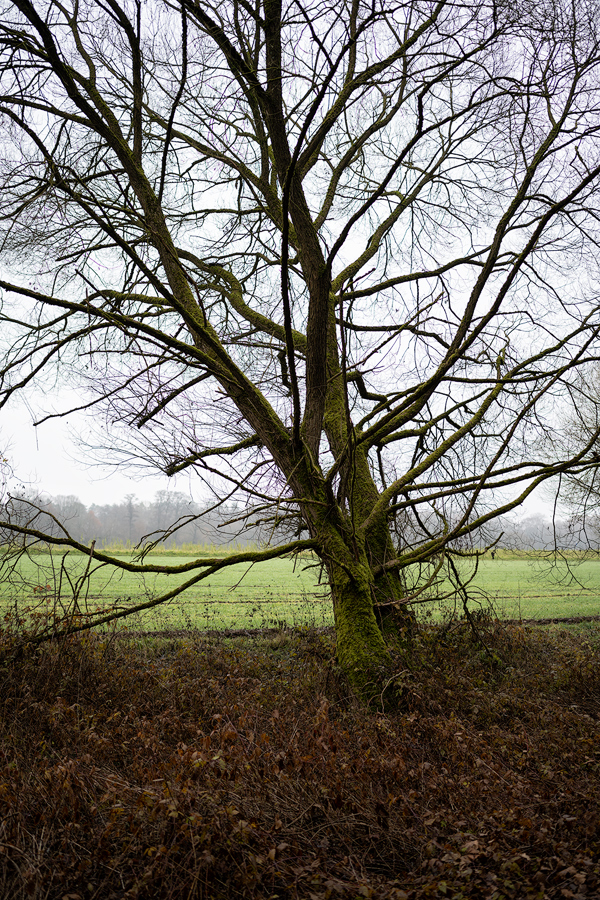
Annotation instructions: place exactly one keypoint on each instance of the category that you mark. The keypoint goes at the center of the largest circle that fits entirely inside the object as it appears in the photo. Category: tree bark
(360, 645)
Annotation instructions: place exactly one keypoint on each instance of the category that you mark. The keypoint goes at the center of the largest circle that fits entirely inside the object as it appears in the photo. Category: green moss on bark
(361, 648)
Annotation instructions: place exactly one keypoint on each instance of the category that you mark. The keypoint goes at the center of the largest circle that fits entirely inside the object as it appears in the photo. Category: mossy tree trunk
(358, 494)
(360, 645)
(352, 559)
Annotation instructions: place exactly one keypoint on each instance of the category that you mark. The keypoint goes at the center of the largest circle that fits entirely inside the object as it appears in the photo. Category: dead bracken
(212, 767)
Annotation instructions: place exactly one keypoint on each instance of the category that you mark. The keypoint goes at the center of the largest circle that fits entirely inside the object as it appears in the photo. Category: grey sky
(45, 457)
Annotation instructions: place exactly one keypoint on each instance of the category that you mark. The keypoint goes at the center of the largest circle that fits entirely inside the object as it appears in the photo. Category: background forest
(186, 521)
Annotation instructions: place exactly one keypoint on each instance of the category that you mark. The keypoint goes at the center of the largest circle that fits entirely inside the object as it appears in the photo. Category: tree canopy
(341, 257)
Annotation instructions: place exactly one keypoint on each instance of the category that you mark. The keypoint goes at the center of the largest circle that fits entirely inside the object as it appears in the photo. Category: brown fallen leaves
(198, 767)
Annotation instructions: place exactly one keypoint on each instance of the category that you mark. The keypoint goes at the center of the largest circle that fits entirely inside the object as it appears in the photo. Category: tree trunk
(358, 494)
(360, 646)
(393, 616)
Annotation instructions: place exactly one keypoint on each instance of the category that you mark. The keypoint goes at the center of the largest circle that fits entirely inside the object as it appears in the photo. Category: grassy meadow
(286, 591)
(534, 587)
(241, 596)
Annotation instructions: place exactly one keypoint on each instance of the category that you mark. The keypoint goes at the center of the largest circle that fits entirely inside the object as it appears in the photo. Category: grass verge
(188, 766)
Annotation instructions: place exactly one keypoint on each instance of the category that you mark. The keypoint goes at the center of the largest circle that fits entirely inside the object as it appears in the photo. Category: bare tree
(339, 256)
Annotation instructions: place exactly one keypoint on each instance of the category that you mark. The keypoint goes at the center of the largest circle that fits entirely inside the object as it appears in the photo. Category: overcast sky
(45, 457)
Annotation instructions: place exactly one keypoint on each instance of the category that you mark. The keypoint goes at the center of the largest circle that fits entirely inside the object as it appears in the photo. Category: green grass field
(537, 588)
(281, 591)
(241, 596)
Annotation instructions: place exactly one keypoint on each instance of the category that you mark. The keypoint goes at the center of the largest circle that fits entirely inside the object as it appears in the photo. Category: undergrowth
(193, 767)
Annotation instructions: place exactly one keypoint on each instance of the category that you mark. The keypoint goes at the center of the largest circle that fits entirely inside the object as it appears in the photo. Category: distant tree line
(174, 519)
(537, 532)
(131, 521)
(533, 532)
